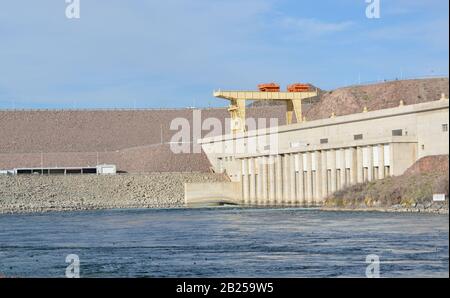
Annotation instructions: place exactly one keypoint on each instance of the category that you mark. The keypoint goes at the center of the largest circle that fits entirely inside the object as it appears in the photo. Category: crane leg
(289, 112)
(297, 104)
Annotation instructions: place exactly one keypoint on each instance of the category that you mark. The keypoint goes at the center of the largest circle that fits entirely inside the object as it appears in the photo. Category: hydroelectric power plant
(302, 164)
(320, 143)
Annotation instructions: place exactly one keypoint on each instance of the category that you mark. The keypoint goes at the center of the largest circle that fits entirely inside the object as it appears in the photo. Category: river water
(224, 242)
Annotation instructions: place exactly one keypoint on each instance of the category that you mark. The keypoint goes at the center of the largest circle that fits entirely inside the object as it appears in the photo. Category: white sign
(440, 197)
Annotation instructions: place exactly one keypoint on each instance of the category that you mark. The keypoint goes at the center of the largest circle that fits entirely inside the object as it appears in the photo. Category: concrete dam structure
(301, 164)
(263, 166)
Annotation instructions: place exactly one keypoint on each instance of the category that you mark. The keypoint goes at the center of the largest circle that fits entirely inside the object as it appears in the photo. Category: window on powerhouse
(397, 132)
(358, 137)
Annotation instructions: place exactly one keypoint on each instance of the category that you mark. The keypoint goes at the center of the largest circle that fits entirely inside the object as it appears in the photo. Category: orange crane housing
(270, 87)
(267, 92)
(298, 87)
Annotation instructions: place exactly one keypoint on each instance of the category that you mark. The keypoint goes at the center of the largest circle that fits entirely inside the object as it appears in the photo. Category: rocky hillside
(349, 100)
(27, 131)
(429, 164)
(353, 99)
(131, 139)
(412, 191)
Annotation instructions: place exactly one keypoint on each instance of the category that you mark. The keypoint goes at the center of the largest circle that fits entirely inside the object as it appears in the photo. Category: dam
(322, 142)
(301, 164)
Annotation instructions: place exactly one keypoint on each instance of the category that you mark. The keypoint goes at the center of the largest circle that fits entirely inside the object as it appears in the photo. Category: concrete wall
(403, 155)
(431, 138)
(307, 162)
(212, 194)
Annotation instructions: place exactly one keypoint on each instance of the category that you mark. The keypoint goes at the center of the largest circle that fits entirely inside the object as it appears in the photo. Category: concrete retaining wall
(212, 194)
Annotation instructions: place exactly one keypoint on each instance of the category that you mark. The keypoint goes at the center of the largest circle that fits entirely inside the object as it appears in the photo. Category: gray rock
(27, 194)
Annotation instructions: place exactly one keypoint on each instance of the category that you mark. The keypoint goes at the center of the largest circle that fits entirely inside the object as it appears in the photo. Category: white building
(301, 164)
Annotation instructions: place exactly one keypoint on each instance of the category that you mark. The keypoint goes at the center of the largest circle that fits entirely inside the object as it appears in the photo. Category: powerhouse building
(303, 163)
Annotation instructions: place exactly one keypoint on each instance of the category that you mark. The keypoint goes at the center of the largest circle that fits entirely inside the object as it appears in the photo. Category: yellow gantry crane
(269, 92)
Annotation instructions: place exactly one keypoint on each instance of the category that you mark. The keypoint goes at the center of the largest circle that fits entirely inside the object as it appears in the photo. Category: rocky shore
(28, 194)
(429, 207)
(411, 192)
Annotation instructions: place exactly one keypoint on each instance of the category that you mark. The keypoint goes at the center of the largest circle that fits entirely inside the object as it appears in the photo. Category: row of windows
(395, 132)
(358, 137)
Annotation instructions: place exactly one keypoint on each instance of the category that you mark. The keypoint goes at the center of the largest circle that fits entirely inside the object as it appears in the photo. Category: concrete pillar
(245, 181)
(343, 169)
(359, 165)
(279, 180)
(332, 163)
(293, 195)
(392, 160)
(286, 178)
(370, 163)
(259, 182)
(354, 166)
(309, 190)
(265, 180)
(380, 161)
(252, 180)
(300, 186)
(323, 176)
(272, 180)
(317, 178)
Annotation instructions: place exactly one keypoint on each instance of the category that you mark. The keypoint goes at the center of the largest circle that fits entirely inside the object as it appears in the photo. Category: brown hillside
(38, 131)
(350, 100)
(429, 164)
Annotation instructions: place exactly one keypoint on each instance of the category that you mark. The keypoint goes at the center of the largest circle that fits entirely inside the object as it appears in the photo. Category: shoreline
(38, 194)
(442, 211)
(62, 209)
(45, 194)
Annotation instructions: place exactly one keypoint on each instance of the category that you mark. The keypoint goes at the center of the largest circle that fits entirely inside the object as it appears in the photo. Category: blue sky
(174, 53)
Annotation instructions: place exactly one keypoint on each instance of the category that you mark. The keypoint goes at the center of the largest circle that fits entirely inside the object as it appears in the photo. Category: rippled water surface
(224, 242)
